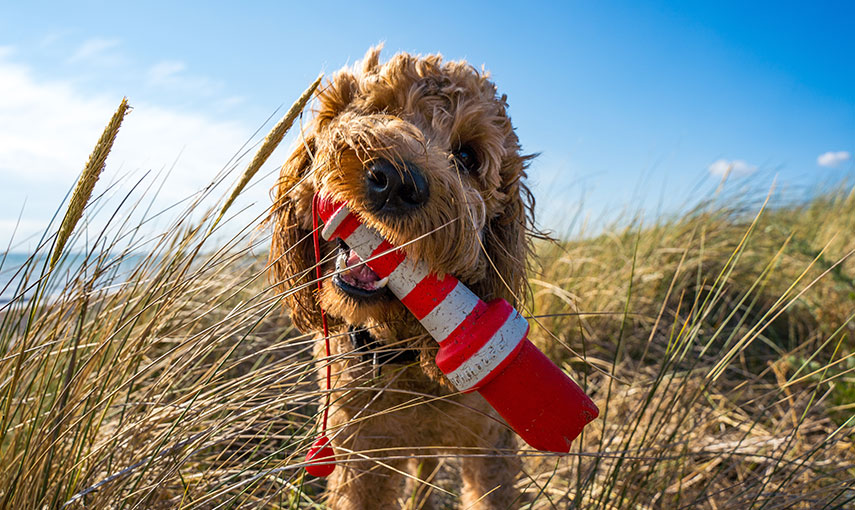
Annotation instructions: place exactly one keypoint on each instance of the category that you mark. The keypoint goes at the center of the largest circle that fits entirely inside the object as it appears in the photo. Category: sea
(12, 268)
(10, 277)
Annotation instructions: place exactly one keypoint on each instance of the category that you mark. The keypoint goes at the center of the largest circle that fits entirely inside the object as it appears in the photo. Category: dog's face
(423, 152)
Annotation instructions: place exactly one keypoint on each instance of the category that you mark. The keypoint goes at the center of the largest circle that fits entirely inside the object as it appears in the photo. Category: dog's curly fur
(475, 224)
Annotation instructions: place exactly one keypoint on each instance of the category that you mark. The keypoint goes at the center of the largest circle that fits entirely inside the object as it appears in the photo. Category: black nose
(394, 190)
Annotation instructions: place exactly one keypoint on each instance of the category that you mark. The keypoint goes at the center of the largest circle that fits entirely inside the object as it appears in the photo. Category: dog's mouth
(355, 278)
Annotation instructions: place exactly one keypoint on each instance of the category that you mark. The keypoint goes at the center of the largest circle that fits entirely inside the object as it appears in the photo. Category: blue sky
(630, 105)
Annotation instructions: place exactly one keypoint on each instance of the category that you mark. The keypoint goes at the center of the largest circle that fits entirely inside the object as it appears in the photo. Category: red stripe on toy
(428, 293)
(327, 207)
(385, 259)
(348, 226)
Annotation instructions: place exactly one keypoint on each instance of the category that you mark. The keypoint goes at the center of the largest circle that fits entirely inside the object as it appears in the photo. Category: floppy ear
(507, 238)
(292, 256)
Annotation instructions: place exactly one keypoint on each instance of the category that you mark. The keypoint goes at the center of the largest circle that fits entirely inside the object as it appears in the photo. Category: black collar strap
(378, 354)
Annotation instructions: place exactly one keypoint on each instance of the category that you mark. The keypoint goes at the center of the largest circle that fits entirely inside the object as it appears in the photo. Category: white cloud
(95, 50)
(734, 168)
(53, 38)
(832, 159)
(164, 71)
(171, 76)
(48, 128)
(230, 102)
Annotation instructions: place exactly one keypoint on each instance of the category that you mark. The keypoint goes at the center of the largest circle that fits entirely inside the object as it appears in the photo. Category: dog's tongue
(359, 274)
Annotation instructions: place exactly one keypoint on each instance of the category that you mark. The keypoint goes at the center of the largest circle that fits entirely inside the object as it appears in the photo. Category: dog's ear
(292, 256)
(507, 238)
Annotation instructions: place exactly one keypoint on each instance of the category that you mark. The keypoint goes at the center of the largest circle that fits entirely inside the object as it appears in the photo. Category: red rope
(319, 274)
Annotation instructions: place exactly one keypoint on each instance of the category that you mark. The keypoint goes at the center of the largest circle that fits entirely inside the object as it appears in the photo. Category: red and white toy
(483, 347)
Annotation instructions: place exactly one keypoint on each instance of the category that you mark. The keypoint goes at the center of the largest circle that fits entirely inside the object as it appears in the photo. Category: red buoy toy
(483, 346)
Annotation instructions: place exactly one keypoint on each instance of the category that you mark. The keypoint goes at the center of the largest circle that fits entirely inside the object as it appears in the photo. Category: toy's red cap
(327, 206)
(537, 399)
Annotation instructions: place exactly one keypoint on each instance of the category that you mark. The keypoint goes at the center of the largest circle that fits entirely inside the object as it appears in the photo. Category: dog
(424, 152)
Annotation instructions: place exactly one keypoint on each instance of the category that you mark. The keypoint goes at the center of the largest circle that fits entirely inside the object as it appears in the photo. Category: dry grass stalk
(271, 141)
(88, 178)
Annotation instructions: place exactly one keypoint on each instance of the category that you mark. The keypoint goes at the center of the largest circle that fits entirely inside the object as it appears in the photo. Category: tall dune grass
(728, 333)
(160, 370)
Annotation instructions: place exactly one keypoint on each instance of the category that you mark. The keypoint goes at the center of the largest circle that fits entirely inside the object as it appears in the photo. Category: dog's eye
(468, 159)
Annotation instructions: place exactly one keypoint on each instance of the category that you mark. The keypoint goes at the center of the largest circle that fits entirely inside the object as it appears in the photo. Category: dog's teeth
(381, 283)
(341, 262)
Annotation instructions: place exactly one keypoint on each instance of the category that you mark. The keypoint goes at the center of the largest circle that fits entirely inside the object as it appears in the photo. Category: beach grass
(160, 370)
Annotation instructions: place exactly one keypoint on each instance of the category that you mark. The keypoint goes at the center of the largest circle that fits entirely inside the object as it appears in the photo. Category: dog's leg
(369, 475)
(489, 481)
(365, 484)
(419, 491)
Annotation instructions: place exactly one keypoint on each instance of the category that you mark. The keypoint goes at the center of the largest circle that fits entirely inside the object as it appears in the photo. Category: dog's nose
(395, 190)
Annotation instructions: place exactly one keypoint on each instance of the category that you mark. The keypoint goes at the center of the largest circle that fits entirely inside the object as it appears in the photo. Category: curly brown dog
(425, 153)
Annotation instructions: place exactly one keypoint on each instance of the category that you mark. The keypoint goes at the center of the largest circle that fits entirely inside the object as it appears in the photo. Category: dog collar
(375, 352)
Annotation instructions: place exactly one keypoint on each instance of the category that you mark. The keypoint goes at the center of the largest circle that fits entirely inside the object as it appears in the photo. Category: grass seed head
(91, 172)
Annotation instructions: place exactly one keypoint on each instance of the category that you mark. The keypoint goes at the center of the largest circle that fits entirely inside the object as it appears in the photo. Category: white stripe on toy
(404, 279)
(363, 241)
(449, 313)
